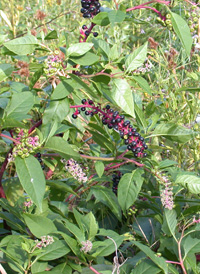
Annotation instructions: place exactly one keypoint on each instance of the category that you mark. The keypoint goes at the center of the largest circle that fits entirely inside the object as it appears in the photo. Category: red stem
(35, 126)
(147, 7)
(10, 138)
(94, 270)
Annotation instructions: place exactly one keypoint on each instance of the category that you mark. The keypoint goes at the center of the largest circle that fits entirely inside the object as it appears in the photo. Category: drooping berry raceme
(90, 8)
(134, 141)
(167, 194)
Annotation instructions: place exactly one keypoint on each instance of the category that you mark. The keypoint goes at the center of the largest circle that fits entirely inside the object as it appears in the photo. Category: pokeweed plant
(99, 143)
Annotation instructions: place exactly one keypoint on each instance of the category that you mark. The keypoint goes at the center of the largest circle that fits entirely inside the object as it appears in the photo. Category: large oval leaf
(129, 188)
(173, 132)
(23, 45)
(122, 95)
(136, 59)
(32, 178)
(79, 49)
(183, 31)
(191, 182)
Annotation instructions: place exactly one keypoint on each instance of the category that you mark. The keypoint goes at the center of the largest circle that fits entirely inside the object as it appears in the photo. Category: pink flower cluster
(167, 196)
(87, 246)
(45, 241)
(75, 170)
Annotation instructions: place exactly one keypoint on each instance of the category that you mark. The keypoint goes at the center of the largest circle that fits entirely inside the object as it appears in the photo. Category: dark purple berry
(87, 112)
(95, 34)
(116, 127)
(110, 126)
(130, 133)
(145, 146)
(113, 121)
(129, 147)
(144, 154)
(83, 108)
(87, 33)
(141, 138)
(118, 120)
(84, 27)
(91, 114)
(83, 101)
(104, 122)
(74, 116)
(108, 107)
(133, 143)
(90, 102)
(136, 155)
(138, 149)
(83, 10)
(126, 142)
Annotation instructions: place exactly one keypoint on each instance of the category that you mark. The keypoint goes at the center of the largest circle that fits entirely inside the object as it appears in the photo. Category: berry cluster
(193, 17)
(53, 64)
(28, 144)
(134, 141)
(167, 22)
(38, 156)
(116, 178)
(87, 31)
(90, 8)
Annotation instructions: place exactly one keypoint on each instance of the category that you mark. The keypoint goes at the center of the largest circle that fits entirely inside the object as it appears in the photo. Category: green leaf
(62, 90)
(122, 95)
(5, 71)
(143, 84)
(140, 118)
(173, 132)
(102, 140)
(39, 225)
(5, 18)
(107, 197)
(92, 225)
(74, 230)
(59, 145)
(32, 178)
(169, 222)
(23, 45)
(60, 186)
(51, 35)
(129, 188)
(145, 267)
(101, 19)
(81, 84)
(191, 182)
(35, 78)
(159, 261)
(71, 243)
(136, 59)
(191, 245)
(79, 49)
(54, 114)
(19, 105)
(63, 268)
(87, 59)
(166, 163)
(99, 167)
(183, 31)
(116, 16)
(54, 251)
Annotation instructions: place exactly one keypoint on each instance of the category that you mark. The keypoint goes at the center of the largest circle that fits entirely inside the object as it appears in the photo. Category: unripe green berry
(190, 22)
(25, 150)
(23, 156)
(193, 14)
(46, 71)
(168, 15)
(57, 65)
(195, 19)
(56, 52)
(20, 152)
(168, 21)
(53, 64)
(192, 29)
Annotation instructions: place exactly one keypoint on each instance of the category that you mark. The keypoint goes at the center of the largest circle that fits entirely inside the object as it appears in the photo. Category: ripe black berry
(95, 34)
(129, 147)
(144, 154)
(108, 107)
(90, 102)
(74, 116)
(83, 10)
(87, 112)
(113, 121)
(87, 32)
(126, 142)
(84, 27)
(110, 126)
(145, 146)
(104, 121)
(83, 108)
(133, 143)
(83, 101)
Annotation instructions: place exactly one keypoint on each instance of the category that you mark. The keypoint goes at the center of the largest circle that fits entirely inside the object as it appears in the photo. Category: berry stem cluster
(134, 141)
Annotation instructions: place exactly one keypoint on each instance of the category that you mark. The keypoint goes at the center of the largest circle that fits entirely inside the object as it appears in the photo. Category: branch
(10, 138)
